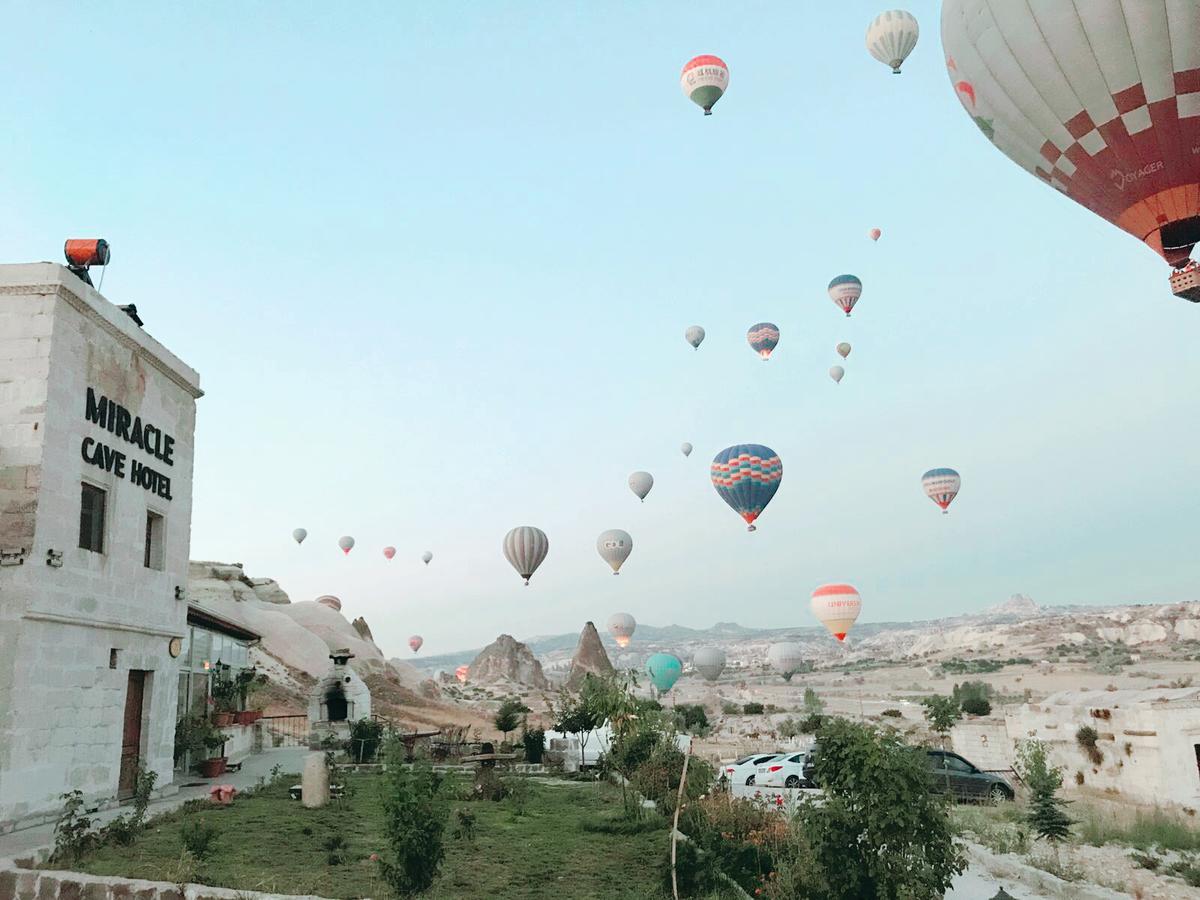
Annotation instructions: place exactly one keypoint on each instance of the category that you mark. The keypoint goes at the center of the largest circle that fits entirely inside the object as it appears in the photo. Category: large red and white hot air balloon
(1100, 100)
(704, 81)
(836, 606)
(462, 673)
(415, 642)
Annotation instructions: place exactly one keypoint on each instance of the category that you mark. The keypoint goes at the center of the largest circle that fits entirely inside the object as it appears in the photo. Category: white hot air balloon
(525, 547)
(891, 36)
(346, 543)
(621, 627)
(843, 349)
(836, 606)
(694, 336)
(786, 658)
(685, 448)
(709, 662)
(837, 373)
(640, 483)
(614, 547)
(426, 557)
(299, 535)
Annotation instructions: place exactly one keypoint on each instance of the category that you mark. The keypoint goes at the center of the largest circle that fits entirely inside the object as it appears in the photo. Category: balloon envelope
(891, 36)
(415, 642)
(299, 535)
(664, 670)
(614, 547)
(837, 373)
(525, 547)
(746, 476)
(461, 673)
(874, 234)
(704, 80)
(845, 291)
(709, 662)
(843, 349)
(346, 543)
(941, 486)
(786, 658)
(1098, 100)
(694, 336)
(685, 448)
(640, 483)
(389, 552)
(763, 337)
(621, 627)
(426, 557)
(836, 606)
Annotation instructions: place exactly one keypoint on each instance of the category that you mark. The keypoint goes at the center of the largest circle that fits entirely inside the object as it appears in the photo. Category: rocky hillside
(507, 661)
(589, 657)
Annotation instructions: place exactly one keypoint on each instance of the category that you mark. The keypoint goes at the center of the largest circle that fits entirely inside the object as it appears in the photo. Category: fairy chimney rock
(590, 656)
(507, 659)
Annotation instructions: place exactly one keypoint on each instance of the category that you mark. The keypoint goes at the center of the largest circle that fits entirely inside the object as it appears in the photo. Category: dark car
(951, 774)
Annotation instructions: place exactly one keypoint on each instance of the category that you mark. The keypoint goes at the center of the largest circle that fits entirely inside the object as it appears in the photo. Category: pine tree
(1046, 814)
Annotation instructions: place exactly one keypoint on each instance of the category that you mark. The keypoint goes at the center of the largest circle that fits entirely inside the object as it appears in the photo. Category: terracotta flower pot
(222, 719)
(211, 768)
(245, 717)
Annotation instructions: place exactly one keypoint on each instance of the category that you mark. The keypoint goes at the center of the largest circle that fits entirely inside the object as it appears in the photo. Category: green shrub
(892, 713)
(788, 728)
(73, 835)
(534, 741)
(974, 697)
(464, 828)
(811, 724)
(1187, 868)
(730, 709)
(691, 717)
(658, 777)
(1086, 738)
(414, 820)
(508, 716)
(199, 838)
(365, 737)
(752, 709)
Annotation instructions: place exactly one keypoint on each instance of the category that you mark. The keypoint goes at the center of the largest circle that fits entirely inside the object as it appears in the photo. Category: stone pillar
(314, 784)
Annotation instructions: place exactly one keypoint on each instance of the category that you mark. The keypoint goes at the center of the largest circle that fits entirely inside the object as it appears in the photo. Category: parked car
(952, 774)
(744, 769)
(783, 771)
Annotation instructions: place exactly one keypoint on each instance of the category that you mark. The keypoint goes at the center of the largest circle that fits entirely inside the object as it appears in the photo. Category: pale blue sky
(434, 263)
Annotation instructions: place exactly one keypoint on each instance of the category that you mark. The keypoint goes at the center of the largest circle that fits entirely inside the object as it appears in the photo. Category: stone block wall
(39, 884)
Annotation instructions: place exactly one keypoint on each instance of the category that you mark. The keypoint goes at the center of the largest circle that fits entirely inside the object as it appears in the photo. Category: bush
(788, 728)
(534, 741)
(752, 709)
(941, 712)
(73, 835)
(811, 724)
(692, 718)
(730, 709)
(812, 703)
(737, 837)
(464, 829)
(199, 838)
(365, 737)
(1086, 738)
(892, 713)
(974, 697)
(508, 716)
(657, 778)
(414, 819)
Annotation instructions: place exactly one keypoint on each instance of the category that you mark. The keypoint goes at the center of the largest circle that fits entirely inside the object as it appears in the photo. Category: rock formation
(589, 657)
(507, 659)
(363, 629)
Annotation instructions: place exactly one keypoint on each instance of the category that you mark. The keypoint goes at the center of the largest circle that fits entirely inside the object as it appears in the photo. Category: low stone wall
(40, 884)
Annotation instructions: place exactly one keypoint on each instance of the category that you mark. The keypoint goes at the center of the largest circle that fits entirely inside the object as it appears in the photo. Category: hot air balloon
(346, 543)
(389, 552)
(763, 337)
(709, 662)
(786, 659)
(941, 486)
(621, 627)
(694, 336)
(874, 234)
(299, 535)
(1099, 100)
(836, 606)
(845, 291)
(614, 547)
(891, 36)
(426, 557)
(747, 477)
(525, 547)
(837, 373)
(685, 448)
(664, 670)
(461, 673)
(640, 483)
(704, 80)
(843, 349)
(415, 642)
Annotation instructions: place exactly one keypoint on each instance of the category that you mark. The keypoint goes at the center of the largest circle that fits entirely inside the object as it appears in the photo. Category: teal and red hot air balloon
(747, 477)
(704, 81)
(664, 670)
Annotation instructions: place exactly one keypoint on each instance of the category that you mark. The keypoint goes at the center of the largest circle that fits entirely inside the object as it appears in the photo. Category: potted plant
(224, 696)
(247, 681)
(194, 734)
(214, 765)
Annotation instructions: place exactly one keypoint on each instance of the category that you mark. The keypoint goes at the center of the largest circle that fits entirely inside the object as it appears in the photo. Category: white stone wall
(61, 705)
(985, 742)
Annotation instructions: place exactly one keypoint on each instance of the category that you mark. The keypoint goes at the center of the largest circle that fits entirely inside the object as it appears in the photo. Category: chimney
(131, 310)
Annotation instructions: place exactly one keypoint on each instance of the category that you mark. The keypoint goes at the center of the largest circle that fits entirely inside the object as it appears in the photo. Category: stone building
(96, 437)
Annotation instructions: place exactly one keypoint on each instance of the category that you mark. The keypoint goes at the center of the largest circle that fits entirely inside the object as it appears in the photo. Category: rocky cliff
(508, 660)
(590, 656)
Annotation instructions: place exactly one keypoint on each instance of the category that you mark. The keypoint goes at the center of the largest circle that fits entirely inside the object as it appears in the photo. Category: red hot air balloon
(461, 673)
(415, 642)
(389, 552)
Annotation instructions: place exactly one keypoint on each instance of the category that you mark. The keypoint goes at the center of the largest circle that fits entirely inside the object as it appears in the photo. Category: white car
(783, 771)
(743, 770)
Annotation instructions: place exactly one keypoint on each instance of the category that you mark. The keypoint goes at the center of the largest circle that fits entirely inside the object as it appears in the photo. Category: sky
(434, 263)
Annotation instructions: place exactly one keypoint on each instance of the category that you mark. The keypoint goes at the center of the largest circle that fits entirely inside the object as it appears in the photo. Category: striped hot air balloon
(836, 606)
(845, 291)
(1100, 100)
(891, 36)
(941, 486)
(747, 476)
(525, 547)
(704, 81)
(763, 337)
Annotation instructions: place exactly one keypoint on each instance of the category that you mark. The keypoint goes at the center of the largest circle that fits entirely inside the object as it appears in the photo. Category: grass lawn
(269, 842)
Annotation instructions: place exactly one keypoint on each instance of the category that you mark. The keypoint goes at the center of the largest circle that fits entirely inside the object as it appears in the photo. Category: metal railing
(283, 731)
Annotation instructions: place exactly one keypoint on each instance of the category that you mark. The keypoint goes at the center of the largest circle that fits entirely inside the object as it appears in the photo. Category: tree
(691, 717)
(880, 832)
(581, 713)
(812, 703)
(414, 819)
(941, 713)
(508, 716)
(974, 697)
(1046, 814)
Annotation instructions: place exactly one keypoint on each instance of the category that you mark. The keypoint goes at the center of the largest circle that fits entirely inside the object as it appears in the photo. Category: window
(153, 558)
(954, 764)
(91, 518)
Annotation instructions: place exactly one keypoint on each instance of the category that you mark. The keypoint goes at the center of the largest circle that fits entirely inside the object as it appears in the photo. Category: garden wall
(38, 884)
